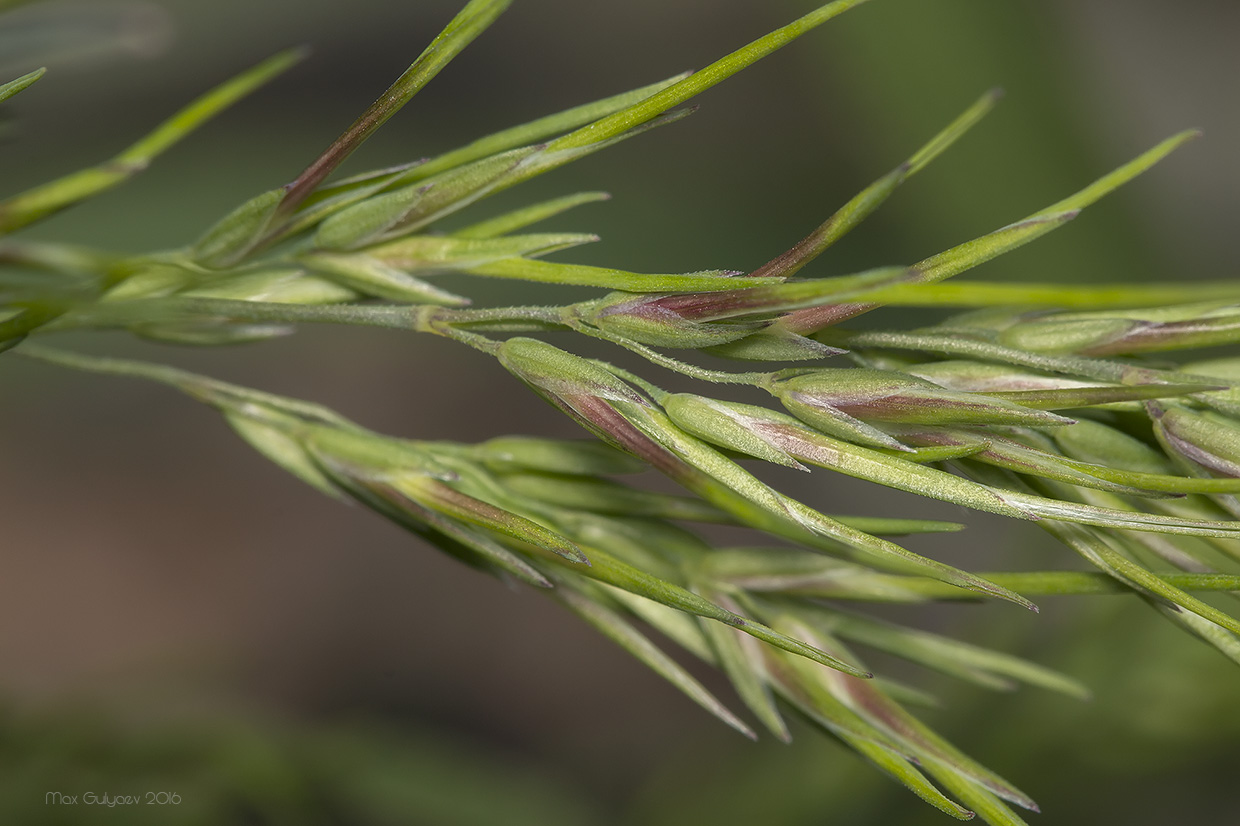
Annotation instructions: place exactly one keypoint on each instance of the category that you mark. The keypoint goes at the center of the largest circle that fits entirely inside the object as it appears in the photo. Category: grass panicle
(1036, 403)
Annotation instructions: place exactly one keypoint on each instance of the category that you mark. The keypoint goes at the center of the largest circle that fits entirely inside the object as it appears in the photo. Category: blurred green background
(178, 616)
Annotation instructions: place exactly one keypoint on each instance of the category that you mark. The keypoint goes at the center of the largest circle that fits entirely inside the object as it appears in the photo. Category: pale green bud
(844, 402)
(738, 427)
(1205, 438)
(236, 233)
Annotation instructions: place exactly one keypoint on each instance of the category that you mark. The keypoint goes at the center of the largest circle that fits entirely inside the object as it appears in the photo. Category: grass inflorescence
(1034, 403)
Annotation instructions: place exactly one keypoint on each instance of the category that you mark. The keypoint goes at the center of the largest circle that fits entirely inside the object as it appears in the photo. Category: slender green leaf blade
(698, 82)
(742, 660)
(613, 626)
(42, 201)
(872, 197)
(462, 30)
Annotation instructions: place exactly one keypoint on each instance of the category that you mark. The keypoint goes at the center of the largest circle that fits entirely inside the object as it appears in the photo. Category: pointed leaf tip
(13, 87)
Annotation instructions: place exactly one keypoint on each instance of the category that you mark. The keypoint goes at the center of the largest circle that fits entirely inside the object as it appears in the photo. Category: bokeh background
(177, 615)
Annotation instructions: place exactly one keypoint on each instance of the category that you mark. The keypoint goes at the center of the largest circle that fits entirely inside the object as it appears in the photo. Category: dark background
(177, 614)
